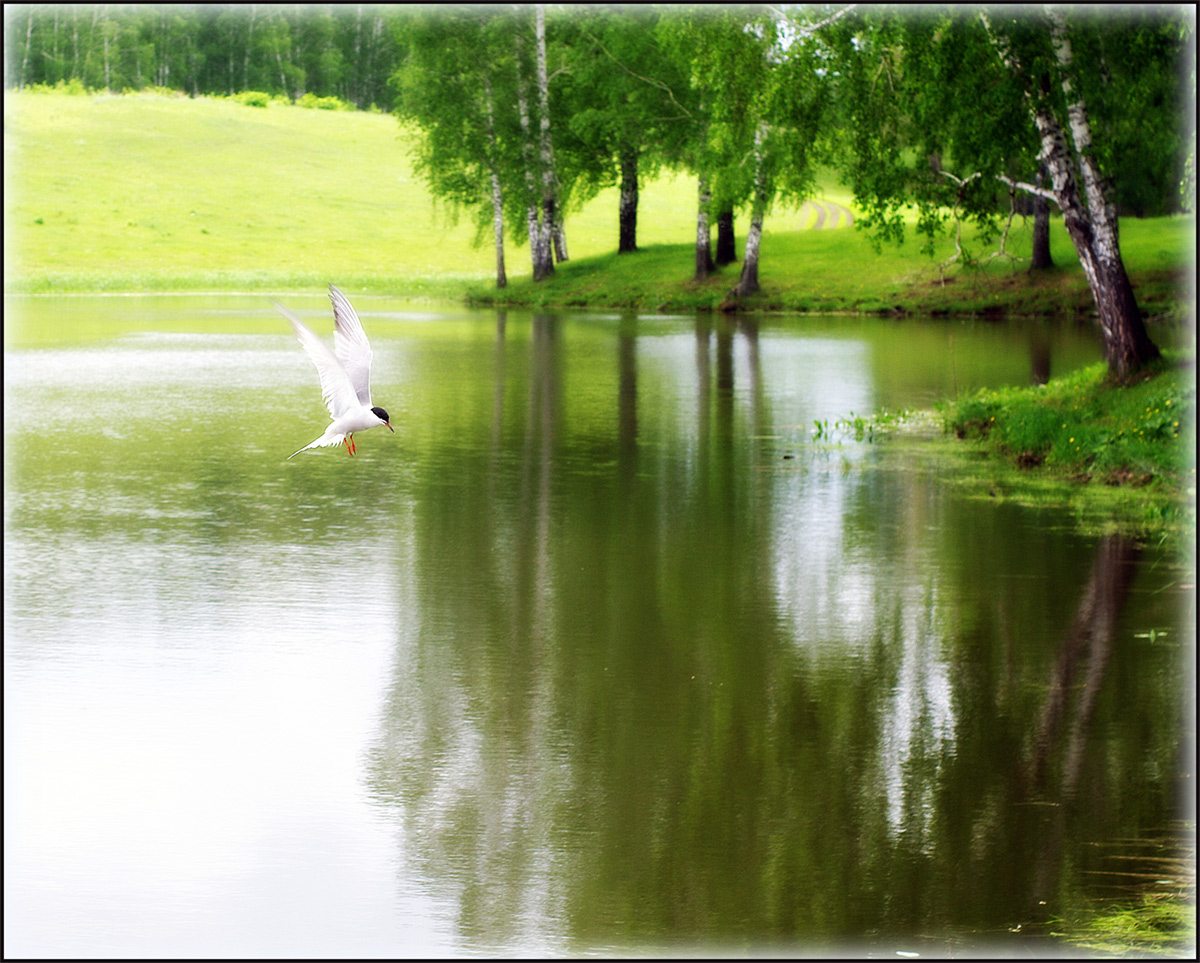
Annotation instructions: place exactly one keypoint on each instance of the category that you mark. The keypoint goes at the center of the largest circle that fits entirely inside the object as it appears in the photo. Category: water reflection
(604, 653)
(721, 701)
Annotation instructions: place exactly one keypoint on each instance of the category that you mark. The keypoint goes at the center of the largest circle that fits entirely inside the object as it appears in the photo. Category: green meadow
(153, 192)
(159, 193)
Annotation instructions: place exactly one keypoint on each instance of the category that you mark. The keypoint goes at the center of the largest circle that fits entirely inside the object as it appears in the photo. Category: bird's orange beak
(389, 427)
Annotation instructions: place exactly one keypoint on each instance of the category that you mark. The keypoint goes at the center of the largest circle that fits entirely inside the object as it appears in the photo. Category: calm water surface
(602, 651)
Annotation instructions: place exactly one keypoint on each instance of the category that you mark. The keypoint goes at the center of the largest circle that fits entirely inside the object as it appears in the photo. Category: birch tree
(757, 127)
(994, 97)
(447, 88)
(623, 101)
(551, 226)
(1079, 190)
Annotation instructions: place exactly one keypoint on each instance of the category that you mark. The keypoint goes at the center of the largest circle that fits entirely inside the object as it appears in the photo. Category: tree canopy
(520, 112)
(925, 93)
(329, 50)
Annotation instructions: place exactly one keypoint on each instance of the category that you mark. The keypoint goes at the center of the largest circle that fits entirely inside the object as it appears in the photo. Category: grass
(156, 193)
(148, 193)
(159, 193)
(1134, 442)
(839, 271)
(1156, 918)
(1154, 925)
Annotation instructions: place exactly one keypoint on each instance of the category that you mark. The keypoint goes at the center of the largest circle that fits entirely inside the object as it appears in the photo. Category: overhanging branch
(806, 30)
(1029, 188)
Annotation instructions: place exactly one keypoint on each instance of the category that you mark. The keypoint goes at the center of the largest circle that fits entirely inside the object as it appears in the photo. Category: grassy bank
(838, 270)
(1129, 449)
(152, 193)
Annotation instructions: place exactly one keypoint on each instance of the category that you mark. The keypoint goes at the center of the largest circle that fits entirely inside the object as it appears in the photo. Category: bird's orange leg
(348, 441)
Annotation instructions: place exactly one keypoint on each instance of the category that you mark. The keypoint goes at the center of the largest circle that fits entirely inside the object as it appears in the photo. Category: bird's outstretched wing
(336, 389)
(351, 346)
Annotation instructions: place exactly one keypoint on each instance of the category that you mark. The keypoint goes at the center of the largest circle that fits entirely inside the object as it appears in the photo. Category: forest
(328, 50)
(954, 115)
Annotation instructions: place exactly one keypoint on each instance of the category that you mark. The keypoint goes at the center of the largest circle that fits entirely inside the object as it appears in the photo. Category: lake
(602, 652)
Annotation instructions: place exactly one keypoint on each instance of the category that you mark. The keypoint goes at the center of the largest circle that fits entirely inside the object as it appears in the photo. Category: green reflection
(667, 672)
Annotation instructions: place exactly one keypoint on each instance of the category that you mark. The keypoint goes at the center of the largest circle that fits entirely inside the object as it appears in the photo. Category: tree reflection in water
(670, 688)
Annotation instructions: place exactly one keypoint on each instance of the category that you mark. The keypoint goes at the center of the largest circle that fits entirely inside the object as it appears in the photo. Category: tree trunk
(497, 197)
(748, 282)
(704, 261)
(559, 236)
(57, 59)
(74, 41)
(249, 45)
(1041, 259)
(23, 79)
(498, 231)
(627, 215)
(549, 195)
(1093, 229)
(107, 64)
(1091, 221)
(1127, 345)
(726, 248)
(542, 264)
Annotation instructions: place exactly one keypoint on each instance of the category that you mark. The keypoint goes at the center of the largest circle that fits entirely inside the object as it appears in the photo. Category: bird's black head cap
(381, 414)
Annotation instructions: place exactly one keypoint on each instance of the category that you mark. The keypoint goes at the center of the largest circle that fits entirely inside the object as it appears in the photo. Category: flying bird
(345, 374)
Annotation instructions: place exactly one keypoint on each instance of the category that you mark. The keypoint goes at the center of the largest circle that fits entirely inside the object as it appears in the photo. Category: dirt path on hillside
(828, 214)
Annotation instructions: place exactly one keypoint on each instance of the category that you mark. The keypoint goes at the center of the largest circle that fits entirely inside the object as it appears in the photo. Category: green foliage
(621, 96)
(921, 93)
(1155, 924)
(456, 89)
(311, 100)
(755, 105)
(1086, 427)
(252, 98)
(215, 49)
(1137, 103)
(73, 87)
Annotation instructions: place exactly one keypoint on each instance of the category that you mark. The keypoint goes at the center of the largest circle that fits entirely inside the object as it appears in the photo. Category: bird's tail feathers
(325, 441)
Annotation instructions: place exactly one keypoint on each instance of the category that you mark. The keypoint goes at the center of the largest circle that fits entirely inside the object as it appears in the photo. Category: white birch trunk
(497, 197)
(748, 282)
(704, 261)
(1089, 219)
(549, 199)
(531, 211)
(560, 237)
(498, 230)
(23, 79)
(1103, 214)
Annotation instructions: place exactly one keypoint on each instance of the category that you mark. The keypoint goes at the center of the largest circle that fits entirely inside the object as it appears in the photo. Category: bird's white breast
(357, 419)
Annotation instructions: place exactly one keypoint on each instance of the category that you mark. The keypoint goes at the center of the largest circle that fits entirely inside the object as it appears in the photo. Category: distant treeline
(329, 50)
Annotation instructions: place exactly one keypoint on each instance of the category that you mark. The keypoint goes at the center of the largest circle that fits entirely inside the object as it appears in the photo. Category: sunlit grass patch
(1084, 425)
(1155, 925)
(1126, 452)
(1150, 906)
(161, 192)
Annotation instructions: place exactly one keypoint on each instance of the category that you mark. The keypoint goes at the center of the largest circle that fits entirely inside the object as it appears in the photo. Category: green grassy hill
(160, 193)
